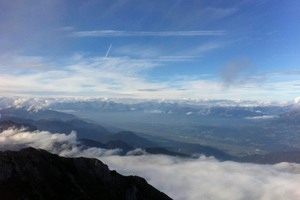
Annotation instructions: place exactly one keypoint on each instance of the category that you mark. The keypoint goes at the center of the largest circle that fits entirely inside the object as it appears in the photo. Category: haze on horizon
(167, 49)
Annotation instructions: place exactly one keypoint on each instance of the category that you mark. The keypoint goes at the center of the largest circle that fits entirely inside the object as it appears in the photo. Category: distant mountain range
(35, 114)
(37, 174)
(54, 122)
(223, 108)
(82, 128)
(291, 117)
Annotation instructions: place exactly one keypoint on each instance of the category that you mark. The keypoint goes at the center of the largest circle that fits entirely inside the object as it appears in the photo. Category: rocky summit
(37, 174)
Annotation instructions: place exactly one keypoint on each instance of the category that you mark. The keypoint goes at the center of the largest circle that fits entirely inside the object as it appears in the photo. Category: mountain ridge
(38, 174)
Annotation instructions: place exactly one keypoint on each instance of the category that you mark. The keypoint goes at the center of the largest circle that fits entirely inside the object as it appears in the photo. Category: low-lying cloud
(182, 179)
(61, 144)
(207, 178)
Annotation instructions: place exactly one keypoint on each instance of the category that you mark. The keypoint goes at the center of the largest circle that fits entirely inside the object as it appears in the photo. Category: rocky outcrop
(37, 174)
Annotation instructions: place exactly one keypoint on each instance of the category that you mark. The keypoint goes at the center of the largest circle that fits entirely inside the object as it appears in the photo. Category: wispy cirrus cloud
(104, 76)
(121, 33)
(119, 77)
(165, 54)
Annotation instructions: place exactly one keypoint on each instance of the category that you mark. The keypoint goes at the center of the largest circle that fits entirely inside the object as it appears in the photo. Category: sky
(166, 49)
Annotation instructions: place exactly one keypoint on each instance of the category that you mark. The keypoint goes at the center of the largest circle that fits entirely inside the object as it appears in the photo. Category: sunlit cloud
(58, 143)
(207, 178)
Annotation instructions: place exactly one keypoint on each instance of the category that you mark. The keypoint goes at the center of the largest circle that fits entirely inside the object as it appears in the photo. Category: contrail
(108, 51)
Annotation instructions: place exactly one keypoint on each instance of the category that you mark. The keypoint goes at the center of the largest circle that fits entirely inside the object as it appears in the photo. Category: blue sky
(236, 49)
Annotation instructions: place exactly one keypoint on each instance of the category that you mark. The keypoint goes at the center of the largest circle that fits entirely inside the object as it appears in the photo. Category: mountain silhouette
(37, 174)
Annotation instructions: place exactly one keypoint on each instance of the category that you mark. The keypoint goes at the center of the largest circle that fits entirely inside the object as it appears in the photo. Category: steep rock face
(37, 174)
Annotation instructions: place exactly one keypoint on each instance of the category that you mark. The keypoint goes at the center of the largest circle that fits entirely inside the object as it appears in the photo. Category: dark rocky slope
(37, 174)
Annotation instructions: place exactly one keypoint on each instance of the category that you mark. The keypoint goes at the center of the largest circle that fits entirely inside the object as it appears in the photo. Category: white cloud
(262, 117)
(101, 74)
(119, 77)
(207, 178)
(61, 144)
(17, 139)
(10, 63)
(117, 33)
(154, 111)
(297, 100)
(182, 179)
(140, 51)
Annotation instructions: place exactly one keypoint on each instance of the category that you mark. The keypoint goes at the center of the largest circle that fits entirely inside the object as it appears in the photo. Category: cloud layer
(119, 77)
(61, 144)
(207, 178)
(182, 179)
